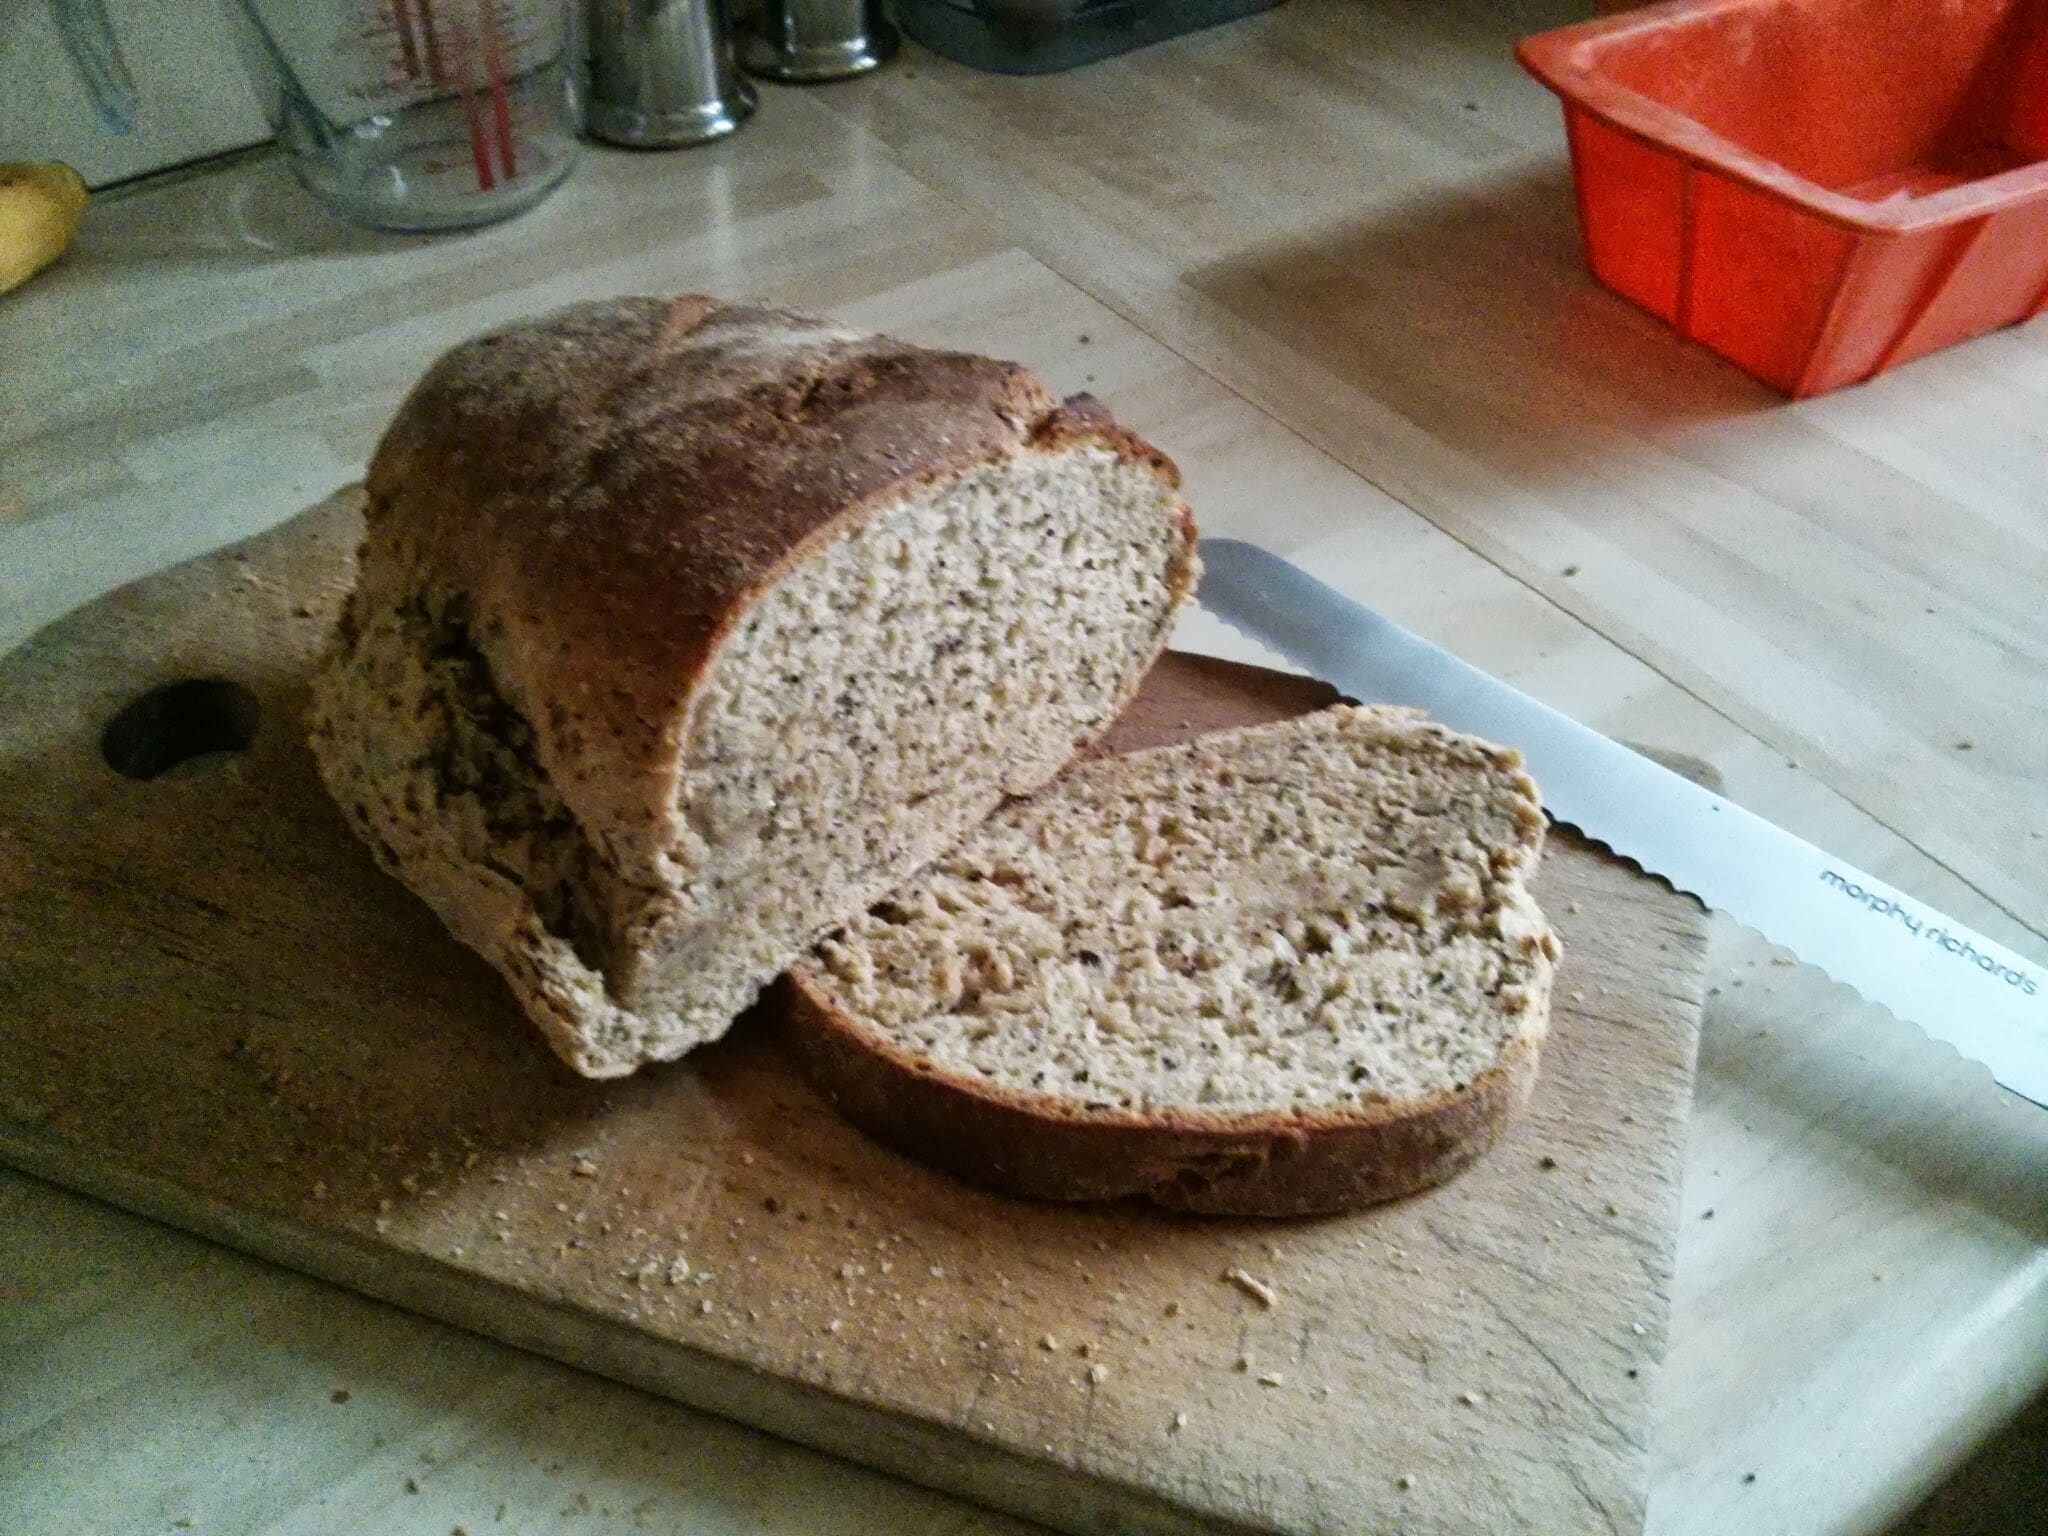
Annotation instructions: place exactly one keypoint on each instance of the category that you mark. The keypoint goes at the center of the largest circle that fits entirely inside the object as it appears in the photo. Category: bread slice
(1277, 970)
(683, 632)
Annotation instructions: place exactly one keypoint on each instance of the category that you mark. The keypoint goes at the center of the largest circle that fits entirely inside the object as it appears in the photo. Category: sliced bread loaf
(683, 632)
(1277, 970)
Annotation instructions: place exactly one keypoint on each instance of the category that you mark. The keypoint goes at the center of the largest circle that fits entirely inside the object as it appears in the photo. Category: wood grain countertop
(1327, 257)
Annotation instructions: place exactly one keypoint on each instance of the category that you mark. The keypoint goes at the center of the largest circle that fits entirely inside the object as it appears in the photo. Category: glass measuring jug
(423, 114)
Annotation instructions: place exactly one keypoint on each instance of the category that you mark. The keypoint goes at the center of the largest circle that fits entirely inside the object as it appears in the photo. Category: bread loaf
(684, 632)
(1278, 970)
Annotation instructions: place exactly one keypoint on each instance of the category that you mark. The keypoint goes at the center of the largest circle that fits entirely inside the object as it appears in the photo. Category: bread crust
(1260, 1163)
(533, 470)
(594, 501)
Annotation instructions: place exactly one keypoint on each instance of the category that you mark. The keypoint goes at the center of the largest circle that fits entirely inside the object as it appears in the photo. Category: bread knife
(1984, 999)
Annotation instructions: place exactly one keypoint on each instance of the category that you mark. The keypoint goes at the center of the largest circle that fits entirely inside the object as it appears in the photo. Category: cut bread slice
(1278, 970)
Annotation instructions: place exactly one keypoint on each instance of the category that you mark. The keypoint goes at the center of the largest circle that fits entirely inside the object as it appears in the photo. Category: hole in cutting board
(178, 722)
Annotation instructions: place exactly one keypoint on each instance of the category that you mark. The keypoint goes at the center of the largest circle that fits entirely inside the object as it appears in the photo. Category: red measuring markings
(402, 24)
(426, 47)
(494, 72)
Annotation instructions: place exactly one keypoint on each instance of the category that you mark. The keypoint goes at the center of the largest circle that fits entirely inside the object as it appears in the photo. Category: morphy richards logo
(1884, 906)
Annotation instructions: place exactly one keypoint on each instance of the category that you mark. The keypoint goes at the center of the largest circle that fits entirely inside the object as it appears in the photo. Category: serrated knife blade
(1984, 999)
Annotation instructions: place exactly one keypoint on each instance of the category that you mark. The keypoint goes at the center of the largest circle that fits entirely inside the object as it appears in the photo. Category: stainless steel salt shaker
(662, 73)
(809, 41)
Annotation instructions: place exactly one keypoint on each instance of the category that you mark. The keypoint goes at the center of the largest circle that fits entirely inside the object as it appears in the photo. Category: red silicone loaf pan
(1819, 190)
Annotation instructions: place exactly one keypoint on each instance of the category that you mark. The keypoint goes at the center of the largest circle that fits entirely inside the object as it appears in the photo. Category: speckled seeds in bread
(1277, 970)
(684, 632)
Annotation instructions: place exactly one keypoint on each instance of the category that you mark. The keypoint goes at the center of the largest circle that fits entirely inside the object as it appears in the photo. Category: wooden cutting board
(214, 1009)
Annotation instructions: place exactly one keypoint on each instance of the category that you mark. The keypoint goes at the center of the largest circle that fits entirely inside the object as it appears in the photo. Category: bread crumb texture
(1323, 914)
(1261, 1292)
(684, 632)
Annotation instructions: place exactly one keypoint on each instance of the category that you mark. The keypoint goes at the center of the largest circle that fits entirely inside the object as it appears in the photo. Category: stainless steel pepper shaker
(809, 41)
(662, 73)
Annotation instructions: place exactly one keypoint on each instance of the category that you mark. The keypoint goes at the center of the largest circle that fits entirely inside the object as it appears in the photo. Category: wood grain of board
(215, 1010)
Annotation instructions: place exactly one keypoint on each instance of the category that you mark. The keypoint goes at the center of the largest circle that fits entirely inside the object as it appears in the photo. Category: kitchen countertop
(1356, 219)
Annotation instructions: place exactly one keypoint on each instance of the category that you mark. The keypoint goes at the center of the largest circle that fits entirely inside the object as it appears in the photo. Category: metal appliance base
(815, 66)
(632, 128)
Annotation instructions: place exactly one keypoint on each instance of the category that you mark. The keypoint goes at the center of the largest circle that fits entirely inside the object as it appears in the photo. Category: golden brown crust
(1083, 418)
(612, 485)
(1041, 1146)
